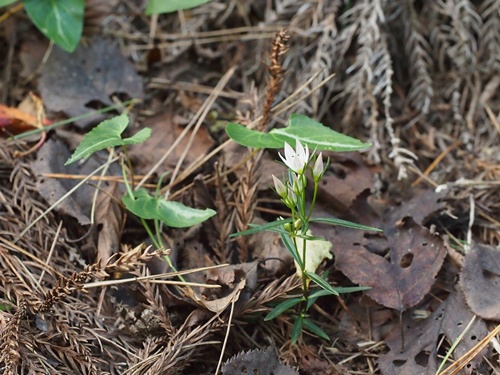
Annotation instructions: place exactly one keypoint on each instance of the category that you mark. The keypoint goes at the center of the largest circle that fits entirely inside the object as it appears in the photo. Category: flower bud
(318, 169)
(280, 187)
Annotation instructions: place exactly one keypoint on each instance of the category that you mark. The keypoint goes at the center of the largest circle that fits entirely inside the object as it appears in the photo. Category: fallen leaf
(216, 305)
(17, 121)
(423, 337)
(76, 83)
(423, 204)
(480, 280)
(416, 256)
(345, 178)
(256, 362)
(316, 252)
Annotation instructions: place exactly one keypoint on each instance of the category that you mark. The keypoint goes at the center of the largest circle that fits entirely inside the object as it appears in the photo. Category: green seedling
(307, 251)
(139, 202)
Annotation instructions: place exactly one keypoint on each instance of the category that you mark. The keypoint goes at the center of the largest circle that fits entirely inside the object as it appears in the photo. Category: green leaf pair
(302, 128)
(275, 226)
(107, 134)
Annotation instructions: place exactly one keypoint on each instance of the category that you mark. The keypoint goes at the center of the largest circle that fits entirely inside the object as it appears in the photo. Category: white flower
(280, 187)
(318, 168)
(296, 160)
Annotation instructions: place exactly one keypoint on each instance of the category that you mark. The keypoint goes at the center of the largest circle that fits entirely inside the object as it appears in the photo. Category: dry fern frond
(372, 72)
(130, 259)
(153, 296)
(184, 348)
(419, 55)
(276, 72)
(456, 30)
(276, 289)
(65, 286)
(246, 201)
(489, 37)
(9, 346)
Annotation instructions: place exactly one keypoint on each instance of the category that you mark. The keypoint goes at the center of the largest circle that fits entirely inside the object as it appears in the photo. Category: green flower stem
(304, 277)
(156, 241)
(313, 202)
(158, 246)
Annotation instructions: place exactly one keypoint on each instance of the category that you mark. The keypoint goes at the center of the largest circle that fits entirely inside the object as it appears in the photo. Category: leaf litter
(415, 310)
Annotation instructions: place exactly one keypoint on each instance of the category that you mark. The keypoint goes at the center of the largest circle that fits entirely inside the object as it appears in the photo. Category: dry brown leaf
(74, 83)
(480, 280)
(108, 218)
(217, 305)
(422, 339)
(416, 257)
(346, 177)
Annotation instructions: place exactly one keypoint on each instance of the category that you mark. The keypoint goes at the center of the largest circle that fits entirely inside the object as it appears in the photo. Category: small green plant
(307, 251)
(61, 21)
(139, 202)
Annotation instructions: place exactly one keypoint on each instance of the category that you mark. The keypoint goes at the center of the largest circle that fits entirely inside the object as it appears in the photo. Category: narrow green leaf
(352, 289)
(260, 228)
(287, 241)
(60, 21)
(303, 128)
(6, 2)
(344, 223)
(107, 134)
(173, 214)
(168, 6)
(312, 327)
(282, 307)
(340, 290)
(297, 329)
(315, 295)
(322, 283)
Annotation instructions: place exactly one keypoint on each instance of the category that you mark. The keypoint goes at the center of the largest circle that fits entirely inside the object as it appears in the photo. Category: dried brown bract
(276, 71)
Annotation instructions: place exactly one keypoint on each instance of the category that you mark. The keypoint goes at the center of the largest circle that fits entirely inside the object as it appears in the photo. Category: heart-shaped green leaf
(168, 6)
(173, 214)
(306, 130)
(61, 21)
(107, 134)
